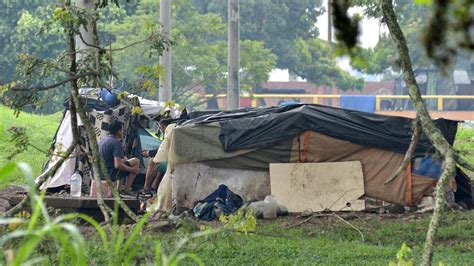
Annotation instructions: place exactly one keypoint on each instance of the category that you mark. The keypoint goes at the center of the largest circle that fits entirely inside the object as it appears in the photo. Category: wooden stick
(307, 220)
(357, 229)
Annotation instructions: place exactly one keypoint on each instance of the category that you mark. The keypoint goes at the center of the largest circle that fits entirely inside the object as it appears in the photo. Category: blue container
(109, 97)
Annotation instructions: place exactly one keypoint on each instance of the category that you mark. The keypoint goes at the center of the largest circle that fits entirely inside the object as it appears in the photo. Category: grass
(465, 144)
(323, 242)
(41, 130)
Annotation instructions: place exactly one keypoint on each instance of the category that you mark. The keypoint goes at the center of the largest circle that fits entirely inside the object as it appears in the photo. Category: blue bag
(222, 200)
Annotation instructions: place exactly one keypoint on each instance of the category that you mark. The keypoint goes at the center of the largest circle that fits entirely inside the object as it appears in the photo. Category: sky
(368, 38)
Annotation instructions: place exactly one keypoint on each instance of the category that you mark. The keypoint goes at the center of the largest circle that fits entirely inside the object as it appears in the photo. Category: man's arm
(121, 166)
(118, 154)
(149, 153)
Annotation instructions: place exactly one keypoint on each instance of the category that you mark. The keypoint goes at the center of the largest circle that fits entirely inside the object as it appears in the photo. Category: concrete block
(318, 186)
(194, 181)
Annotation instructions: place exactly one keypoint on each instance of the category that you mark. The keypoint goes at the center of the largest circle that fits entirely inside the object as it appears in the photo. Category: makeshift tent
(214, 148)
(101, 108)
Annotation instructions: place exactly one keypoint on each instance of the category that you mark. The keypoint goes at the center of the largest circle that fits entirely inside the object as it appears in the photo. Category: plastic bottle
(76, 184)
(450, 198)
(270, 207)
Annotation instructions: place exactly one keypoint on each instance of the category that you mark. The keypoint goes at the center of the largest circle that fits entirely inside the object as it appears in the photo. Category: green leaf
(424, 2)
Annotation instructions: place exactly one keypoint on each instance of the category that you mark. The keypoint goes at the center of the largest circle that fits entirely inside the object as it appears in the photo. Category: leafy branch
(15, 87)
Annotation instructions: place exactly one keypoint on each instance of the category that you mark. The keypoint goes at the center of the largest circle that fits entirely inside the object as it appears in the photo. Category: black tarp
(264, 127)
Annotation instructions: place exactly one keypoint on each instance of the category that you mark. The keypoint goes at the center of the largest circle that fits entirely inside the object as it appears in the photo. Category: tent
(102, 107)
(236, 147)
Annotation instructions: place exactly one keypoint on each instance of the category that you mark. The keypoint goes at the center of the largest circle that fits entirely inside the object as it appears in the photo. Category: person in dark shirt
(118, 166)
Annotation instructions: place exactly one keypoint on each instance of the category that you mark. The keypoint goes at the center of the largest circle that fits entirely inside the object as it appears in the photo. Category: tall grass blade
(89, 220)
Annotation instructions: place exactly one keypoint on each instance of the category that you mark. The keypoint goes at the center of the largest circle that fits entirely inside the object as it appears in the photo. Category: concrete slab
(194, 181)
(318, 186)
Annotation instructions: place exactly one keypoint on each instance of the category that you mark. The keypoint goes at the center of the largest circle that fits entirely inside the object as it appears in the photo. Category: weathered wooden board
(318, 186)
(78, 203)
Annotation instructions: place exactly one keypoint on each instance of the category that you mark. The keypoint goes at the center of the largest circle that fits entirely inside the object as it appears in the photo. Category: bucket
(109, 97)
(270, 207)
(106, 191)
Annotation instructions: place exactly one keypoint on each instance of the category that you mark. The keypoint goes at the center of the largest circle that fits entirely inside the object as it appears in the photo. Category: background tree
(412, 17)
(318, 65)
(23, 33)
(278, 24)
(199, 52)
(288, 28)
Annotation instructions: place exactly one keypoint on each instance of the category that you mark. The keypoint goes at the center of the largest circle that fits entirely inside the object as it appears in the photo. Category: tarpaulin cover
(365, 103)
(147, 141)
(263, 127)
(427, 166)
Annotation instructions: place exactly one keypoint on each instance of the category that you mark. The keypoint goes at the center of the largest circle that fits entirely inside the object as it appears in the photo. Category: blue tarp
(426, 166)
(147, 141)
(364, 103)
(222, 200)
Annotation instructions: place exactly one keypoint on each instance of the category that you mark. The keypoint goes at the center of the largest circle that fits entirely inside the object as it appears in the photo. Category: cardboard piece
(318, 186)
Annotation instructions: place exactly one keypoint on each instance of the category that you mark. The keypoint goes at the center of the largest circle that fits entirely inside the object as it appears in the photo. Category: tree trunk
(430, 129)
(90, 36)
(417, 130)
(448, 172)
(74, 92)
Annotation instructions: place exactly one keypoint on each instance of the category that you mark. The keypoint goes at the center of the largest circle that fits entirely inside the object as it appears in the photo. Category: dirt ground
(7, 193)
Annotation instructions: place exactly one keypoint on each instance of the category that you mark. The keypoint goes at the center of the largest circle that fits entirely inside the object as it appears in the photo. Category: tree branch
(115, 49)
(40, 180)
(411, 149)
(74, 92)
(432, 132)
(430, 129)
(449, 171)
(97, 163)
(55, 85)
(16, 208)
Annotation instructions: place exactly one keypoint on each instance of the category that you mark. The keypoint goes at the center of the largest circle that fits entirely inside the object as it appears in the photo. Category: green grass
(465, 144)
(326, 241)
(41, 131)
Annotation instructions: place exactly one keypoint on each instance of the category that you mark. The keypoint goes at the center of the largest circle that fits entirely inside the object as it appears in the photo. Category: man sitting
(118, 167)
(155, 171)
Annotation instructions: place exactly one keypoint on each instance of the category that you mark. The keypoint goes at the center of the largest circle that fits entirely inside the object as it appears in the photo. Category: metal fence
(378, 98)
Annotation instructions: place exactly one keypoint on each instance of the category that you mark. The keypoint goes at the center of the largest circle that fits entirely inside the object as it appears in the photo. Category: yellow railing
(439, 98)
(378, 98)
